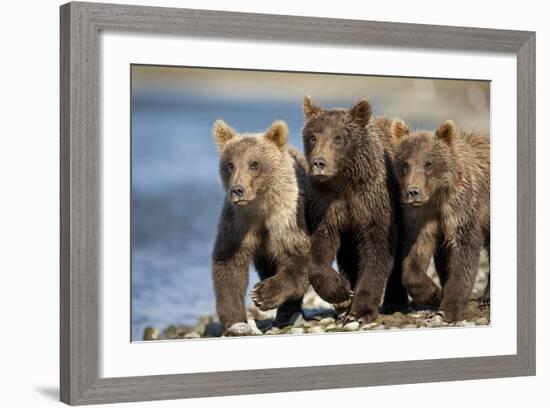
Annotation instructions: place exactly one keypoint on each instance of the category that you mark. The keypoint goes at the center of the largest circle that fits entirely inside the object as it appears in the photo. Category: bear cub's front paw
(332, 288)
(269, 294)
(363, 318)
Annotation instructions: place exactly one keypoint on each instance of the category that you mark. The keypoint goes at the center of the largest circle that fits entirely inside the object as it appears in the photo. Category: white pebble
(351, 326)
(326, 321)
(240, 329)
(436, 321)
(316, 329)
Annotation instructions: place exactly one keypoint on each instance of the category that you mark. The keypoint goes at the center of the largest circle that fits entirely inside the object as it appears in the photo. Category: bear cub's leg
(230, 282)
(375, 265)
(286, 311)
(420, 287)
(281, 281)
(463, 262)
(329, 284)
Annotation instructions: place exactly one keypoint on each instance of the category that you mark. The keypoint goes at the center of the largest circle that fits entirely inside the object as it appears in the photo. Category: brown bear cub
(351, 210)
(262, 222)
(444, 181)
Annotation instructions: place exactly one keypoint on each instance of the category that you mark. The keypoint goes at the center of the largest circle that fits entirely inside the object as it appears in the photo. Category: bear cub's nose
(318, 164)
(237, 191)
(413, 193)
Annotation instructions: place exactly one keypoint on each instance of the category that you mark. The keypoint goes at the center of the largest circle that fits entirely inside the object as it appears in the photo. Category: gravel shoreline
(318, 317)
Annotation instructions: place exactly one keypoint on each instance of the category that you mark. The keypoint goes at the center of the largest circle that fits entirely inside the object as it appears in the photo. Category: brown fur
(444, 181)
(351, 212)
(264, 225)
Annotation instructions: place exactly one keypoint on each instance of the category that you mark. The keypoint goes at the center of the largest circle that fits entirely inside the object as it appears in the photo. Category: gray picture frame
(81, 24)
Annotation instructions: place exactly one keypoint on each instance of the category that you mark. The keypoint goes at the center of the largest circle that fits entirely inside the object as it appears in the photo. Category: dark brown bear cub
(351, 209)
(262, 222)
(444, 179)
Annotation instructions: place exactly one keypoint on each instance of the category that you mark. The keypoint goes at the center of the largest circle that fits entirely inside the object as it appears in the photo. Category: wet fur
(454, 224)
(270, 232)
(353, 215)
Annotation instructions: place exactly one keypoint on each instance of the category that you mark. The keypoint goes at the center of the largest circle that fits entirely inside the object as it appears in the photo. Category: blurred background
(176, 193)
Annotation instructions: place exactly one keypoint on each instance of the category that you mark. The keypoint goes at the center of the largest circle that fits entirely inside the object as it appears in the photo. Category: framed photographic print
(233, 183)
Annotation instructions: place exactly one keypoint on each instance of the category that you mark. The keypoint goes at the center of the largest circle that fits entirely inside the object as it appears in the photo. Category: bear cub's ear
(223, 133)
(310, 108)
(361, 112)
(278, 134)
(399, 130)
(446, 132)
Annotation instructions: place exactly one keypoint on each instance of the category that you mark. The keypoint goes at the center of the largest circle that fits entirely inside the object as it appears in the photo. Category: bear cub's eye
(312, 138)
(338, 140)
(254, 165)
(405, 166)
(428, 165)
(230, 166)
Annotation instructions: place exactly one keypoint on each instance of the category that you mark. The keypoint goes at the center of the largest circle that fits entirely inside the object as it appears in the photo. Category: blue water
(177, 197)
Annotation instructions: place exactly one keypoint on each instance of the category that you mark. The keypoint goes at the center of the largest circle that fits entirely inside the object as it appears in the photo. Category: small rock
(192, 335)
(326, 321)
(417, 315)
(297, 330)
(465, 323)
(420, 323)
(183, 330)
(171, 332)
(379, 327)
(203, 321)
(213, 329)
(240, 329)
(369, 326)
(316, 329)
(396, 319)
(332, 326)
(273, 331)
(482, 321)
(435, 321)
(409, 326)
(151, 333)
(351, 326)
